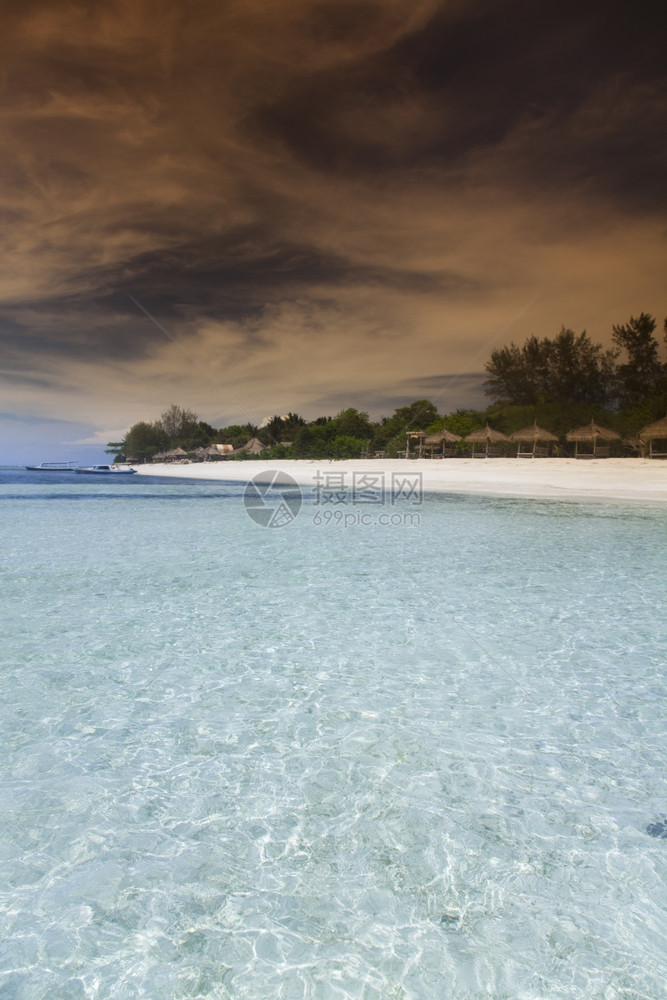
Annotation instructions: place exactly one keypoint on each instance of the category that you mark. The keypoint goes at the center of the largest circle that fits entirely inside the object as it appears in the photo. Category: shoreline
(625, 479)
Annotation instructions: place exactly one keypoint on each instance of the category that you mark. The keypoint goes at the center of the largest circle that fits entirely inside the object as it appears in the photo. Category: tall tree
(282, 428)
(179, 424)
(352, 423)
(567, 369)
(510, 376)
(643, 373)
(143, 440)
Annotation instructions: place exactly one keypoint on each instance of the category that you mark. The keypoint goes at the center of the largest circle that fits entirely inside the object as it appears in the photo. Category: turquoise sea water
(319, 762)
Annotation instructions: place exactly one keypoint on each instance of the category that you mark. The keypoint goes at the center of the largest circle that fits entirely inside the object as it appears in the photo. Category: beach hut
(415, 438)
(487, 436)
(254, 446)
(592, 432)
(655, 435)
(175, 455)
(537, 437)
(442, 438)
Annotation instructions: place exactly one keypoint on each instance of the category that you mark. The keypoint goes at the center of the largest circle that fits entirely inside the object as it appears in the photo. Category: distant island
(557, 383)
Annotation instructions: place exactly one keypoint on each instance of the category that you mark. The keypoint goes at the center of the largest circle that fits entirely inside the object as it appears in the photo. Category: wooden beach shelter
(592, 432)
(175, 454)
(655, 435)
(537, 437)
(488, 437)
(443, 438)
(414, 437)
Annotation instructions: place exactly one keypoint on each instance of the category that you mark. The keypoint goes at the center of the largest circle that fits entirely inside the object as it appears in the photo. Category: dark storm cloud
(235, 278)
(232, 277)
(582, 85)
(500, 56)
(269, 266)
(297, 190)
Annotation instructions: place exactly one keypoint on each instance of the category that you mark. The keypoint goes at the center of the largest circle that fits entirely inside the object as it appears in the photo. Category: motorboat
(106, 470)
(52, 467)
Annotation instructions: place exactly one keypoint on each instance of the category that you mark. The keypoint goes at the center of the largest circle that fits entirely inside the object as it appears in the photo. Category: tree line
(557, 382)
(570, 368)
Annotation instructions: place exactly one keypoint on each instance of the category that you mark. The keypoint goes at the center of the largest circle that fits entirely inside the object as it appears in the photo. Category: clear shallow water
(317, 762)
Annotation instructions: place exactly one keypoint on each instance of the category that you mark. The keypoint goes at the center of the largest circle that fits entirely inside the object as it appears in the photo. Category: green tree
(464, 422)
(511, 377)
(352, 423)
(314, 440)
(390, 434)
(143, 440)
(643, 373)
(179, 424)
(346, 446)
(281, 429)
(570, 368)
(116, 449)
(236, 434)
(291, 425)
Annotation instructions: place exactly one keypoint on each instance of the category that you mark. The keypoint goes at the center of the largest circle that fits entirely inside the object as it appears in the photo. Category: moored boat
(106, 470)
(52, 467)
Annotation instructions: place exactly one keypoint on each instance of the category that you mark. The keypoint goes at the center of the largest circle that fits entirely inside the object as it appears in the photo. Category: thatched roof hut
(489, 436)
(254, 446)
(442, 438)
(533, 435)
(657, 431)
(175, 455)
(443, 435)
(592, 432)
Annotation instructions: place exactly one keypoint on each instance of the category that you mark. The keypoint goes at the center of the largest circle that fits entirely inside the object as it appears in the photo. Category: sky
(252, 207)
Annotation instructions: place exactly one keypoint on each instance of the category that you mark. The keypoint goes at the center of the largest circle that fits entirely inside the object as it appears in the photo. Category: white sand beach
(628, 479)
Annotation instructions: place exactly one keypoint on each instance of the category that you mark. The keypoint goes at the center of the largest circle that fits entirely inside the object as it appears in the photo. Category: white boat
(52, 467)
(106, 470)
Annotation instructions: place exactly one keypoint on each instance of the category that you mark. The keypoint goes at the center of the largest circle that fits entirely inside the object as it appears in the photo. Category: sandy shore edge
(628, 479)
